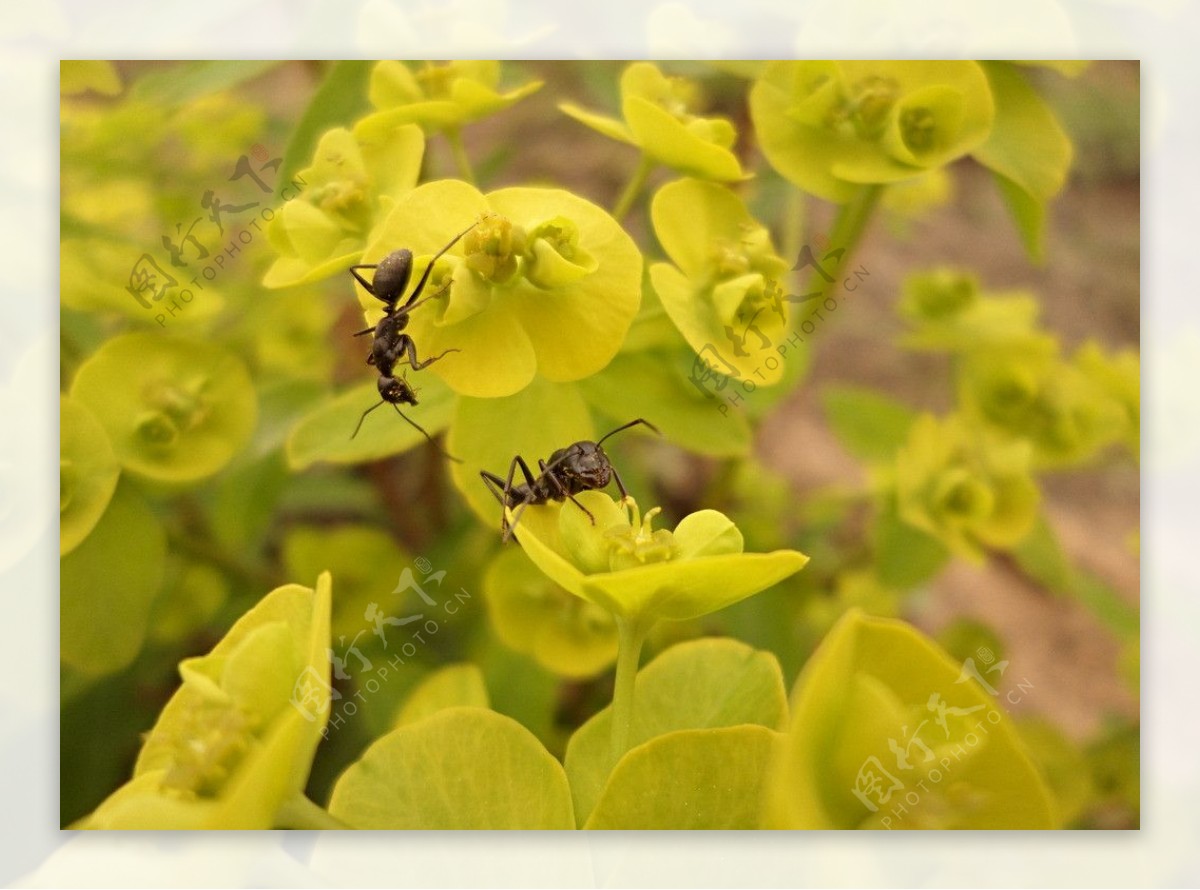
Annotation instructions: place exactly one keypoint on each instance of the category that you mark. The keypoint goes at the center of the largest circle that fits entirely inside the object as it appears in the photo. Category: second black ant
(390, 345)
(580, 467)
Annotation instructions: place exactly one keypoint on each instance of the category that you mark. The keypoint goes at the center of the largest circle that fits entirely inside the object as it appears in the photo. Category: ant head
(397, 391)
(392, 275)
(587, 463)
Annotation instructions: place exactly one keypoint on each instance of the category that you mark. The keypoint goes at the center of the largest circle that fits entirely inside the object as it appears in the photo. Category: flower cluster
(660, 119)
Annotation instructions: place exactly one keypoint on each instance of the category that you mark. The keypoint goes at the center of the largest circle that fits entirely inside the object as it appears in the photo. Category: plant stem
(301, 813)
(461, 159)
(852, 221)
(848, 228)
(632, 188)
(795, 211)
(630, 636)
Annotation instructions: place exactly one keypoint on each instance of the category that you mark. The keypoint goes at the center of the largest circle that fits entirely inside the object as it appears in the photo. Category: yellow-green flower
(1118, 375)
(725, 291)
(948, 315)
(660, 119)
(530, 613)
(962, 487)
(175, 410)
(356, 177)
(831, 127)
(235, 742)
(88, 472)
(888, 732)
(545, 283)
(638, 573)
(938, 294)
(438, 97)
(1027, 391)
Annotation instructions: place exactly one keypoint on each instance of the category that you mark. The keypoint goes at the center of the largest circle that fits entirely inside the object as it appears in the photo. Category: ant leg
(620, 484)
(405, 344)
(583, 508)
(441, 291)
(364, 417)
(563, 493)
(428, 269)
(421, 429)
(510, 527)
(494, 484)
(366, 284)
(518, 461)
(499, 491)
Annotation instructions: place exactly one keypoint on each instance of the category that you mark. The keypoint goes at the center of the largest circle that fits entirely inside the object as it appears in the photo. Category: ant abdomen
(392, 275)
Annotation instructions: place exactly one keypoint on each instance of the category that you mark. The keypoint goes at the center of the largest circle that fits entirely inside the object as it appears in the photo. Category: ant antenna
(627, 426)
(421, 429)
(408, 420)
(364, 417)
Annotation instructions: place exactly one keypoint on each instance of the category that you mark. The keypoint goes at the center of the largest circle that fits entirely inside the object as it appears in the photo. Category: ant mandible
(390, 345)
(582, 466)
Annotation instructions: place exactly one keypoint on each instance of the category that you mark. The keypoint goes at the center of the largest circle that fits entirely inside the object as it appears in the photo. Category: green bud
(556, 257)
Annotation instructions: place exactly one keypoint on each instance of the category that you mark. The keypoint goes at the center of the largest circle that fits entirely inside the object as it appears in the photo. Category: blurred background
(136, 161)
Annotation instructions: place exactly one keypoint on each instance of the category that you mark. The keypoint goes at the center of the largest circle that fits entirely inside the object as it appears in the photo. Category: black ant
(390, 346)
(582, 466)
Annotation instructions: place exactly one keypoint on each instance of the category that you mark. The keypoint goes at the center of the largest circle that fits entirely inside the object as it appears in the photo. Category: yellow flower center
(639, 543)
(205, 750)
(494, 247)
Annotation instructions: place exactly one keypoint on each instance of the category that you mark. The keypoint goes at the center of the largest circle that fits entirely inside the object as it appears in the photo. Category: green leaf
(1027, 144)
(487, 433)
(1028, 213)
(1040, 555)
(876, 686)
(702, 684)
(324, 434)
(1027, 150)
(645, 384)
(906, 557)
(183, 81)
(701, 779)
(456, 685)
(871, 425)
(108, 585)
(461, 768)
(339, 101)
(88, 472)
(607, 126)
(1107, 604)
